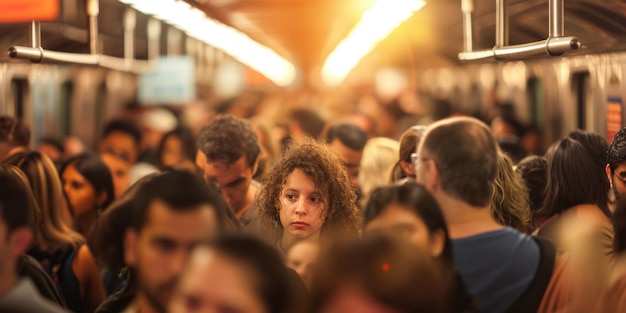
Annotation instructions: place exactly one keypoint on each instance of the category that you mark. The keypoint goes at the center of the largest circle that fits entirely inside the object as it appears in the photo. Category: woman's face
(230, 289)
(398, 219)
(79, 191)
(301, 211)
(172, 152)
(301, 258)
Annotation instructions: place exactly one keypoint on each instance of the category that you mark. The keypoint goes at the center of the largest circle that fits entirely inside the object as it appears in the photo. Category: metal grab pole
(130, 20)
(93, 10)
(502, 24)
(467, 6)
(35, 34)
(557, 28)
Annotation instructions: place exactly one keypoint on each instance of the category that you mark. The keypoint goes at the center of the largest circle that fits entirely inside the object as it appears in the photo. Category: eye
(76, 185)
(291, 196)
(314, 199)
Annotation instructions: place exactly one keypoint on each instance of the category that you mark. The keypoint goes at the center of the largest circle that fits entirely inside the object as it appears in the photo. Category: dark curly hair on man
(341, 215)
(228, 138)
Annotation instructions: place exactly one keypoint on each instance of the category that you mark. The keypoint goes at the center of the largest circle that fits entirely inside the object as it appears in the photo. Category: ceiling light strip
(233, 42)
(375, 25)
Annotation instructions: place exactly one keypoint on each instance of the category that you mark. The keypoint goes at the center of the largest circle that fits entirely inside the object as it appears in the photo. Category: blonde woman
(510, 205)
(379, 157)
(61, 250)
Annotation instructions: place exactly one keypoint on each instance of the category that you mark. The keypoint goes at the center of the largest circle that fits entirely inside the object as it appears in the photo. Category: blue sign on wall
(171, 82)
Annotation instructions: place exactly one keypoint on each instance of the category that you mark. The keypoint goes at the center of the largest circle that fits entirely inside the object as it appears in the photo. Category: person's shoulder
(25, 298)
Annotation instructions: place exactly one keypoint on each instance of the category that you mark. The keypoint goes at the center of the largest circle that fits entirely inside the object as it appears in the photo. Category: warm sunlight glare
(375, 25)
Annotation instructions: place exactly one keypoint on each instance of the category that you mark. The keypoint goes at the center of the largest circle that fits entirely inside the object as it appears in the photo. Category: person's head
(122, 138)
(52, 148)
(573, 179)
(110, 229)
(409, 140)
(409, 211)
(176, 147)
(307, 193)
(347, 141)
(17, 210)
(88, 185)
(458, 158)
(245, 276)
(228, 150)
(302, 257)
(305, 123)
(72, 146)
(534, 172)
(171, 214)
(52, 222)
(380, 274)
(14, 136)
(379, 156)
(510, 206)
(269, 147)
(616, 163)
(120, 171)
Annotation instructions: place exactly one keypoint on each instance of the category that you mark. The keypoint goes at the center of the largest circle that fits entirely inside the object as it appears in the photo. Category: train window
(19, 92)
(580, 89)
(535, 96)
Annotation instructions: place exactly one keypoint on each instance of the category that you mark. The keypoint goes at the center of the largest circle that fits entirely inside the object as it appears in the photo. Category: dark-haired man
(347, 142)
(122, 138)
(616, 164)
(172, 213)
(16, 221)
(228, 151)
(457, 163)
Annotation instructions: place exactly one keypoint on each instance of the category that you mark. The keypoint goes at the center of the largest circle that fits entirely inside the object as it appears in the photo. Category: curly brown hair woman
(307, 195)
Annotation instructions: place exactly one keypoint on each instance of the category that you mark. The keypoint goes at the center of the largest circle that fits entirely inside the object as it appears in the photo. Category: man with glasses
(456, 161)
(616, 164)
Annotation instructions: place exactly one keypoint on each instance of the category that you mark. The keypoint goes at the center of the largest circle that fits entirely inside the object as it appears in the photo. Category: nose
(300, 206)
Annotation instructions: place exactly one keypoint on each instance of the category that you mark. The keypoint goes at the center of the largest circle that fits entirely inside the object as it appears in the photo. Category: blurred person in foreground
(17, 210)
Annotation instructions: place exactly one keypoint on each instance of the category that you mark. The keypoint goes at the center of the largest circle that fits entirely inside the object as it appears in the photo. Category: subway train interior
(71, 65)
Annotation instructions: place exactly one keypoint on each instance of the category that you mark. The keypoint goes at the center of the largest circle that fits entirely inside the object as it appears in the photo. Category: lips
(299, 224)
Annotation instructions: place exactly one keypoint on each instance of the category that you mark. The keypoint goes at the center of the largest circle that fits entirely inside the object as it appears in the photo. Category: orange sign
(613, 118)
(15, 11)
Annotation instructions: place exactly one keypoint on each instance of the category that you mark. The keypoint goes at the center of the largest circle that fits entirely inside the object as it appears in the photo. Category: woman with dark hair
(61, 251)
(381, 274)
(575, 187)
(177, 148)
(88, 187)
(246, 275)
(307, 195)
(409, 211)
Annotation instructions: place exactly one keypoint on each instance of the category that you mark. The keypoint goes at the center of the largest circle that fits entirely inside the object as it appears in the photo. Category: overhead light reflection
(376, 24)
(235, 43)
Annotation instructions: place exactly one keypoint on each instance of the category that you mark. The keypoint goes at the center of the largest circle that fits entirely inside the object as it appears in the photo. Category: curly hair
(510, 205)
(341, 215)
(228, 138)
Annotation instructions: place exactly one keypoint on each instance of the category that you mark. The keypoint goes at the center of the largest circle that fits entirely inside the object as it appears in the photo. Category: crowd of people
(327, 219)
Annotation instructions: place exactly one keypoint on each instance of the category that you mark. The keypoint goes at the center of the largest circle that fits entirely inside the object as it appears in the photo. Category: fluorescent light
(375, 25)
(235, 43)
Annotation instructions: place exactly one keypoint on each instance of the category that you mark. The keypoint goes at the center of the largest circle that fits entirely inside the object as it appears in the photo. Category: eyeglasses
(414, 159)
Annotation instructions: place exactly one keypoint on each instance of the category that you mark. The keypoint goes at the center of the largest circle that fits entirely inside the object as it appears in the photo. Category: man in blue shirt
(457, 162)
